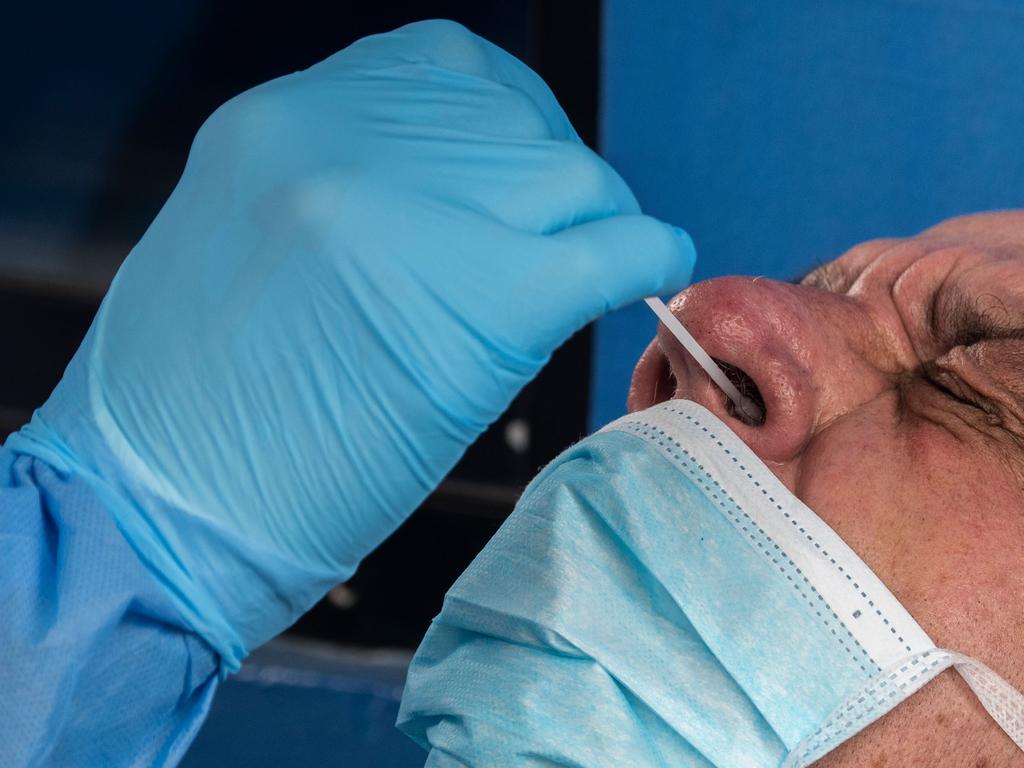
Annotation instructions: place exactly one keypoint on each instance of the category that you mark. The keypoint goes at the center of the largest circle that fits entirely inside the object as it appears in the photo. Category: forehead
(929, 263)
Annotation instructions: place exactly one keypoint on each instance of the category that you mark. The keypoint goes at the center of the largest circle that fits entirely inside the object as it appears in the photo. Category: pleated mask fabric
(659, 598)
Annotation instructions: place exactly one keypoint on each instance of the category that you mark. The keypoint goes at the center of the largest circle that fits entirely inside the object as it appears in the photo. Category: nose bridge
(752, 319)
(741, 311)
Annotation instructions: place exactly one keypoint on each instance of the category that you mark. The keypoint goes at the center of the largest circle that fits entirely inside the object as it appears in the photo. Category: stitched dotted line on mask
(647, 430)
(869, 701)
(872, 696)
(863, 593)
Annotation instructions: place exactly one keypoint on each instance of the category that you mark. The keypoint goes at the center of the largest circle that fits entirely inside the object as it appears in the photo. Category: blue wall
(781, 133)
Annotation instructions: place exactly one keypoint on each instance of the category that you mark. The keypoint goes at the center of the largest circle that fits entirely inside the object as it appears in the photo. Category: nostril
(654, 379)
(665, 383)
(748, 388)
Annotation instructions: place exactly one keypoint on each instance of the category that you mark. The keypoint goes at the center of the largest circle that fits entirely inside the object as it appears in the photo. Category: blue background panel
(780, 134)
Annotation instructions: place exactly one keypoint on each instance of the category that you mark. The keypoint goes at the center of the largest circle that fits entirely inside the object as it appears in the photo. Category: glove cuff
(232, 593)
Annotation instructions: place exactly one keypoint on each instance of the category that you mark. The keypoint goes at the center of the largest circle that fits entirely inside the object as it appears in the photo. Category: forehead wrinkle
(1008, 275)
(840, 274)
(916, 315)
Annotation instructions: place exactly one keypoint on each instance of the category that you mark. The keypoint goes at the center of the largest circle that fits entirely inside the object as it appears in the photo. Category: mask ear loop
(889, 687)
(1001, 700)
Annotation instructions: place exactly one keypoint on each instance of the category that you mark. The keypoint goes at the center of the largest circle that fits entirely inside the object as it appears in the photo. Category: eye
(950, 385)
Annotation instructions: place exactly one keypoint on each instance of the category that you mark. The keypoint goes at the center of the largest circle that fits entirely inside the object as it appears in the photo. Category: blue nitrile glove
(362, 264)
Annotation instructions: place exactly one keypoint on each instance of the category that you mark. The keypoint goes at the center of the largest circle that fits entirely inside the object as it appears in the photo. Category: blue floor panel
(301, 705)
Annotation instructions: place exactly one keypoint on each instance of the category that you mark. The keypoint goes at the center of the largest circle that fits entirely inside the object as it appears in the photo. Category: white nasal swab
(743, 404)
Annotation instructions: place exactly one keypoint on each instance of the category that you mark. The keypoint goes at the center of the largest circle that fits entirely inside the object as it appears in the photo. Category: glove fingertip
(684, 260)
(665, 253)
(624, 258)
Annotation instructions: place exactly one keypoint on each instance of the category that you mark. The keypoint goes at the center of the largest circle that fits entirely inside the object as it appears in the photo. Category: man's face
(893, 380)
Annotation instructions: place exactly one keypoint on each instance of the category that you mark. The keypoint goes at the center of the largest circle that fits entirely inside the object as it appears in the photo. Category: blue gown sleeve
(96, 667)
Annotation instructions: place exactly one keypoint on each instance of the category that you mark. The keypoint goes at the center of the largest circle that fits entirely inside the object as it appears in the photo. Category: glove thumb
(619, 260)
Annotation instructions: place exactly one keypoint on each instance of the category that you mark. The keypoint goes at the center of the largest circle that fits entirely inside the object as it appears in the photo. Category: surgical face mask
(658, 598)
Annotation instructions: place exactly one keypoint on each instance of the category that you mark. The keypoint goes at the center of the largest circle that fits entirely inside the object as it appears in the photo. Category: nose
(788, 345)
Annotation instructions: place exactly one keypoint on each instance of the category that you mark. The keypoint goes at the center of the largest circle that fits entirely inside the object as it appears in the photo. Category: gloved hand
(362, 264)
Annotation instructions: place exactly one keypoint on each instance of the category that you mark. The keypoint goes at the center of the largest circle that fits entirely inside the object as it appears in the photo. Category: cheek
(938, 519)
(878, 479)
(852, 474)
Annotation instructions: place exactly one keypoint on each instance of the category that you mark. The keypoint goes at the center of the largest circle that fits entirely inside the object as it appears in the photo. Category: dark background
(100, 105)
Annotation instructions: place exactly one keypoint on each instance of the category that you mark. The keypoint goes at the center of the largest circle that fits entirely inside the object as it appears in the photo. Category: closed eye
(948, 385)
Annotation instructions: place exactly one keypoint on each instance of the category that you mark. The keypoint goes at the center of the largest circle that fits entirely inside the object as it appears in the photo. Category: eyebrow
(969, 319)
(829, 276)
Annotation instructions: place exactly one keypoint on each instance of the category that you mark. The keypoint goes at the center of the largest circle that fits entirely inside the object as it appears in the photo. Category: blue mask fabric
(659, 598)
